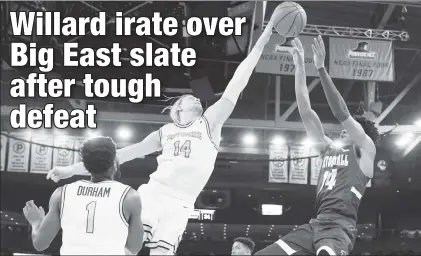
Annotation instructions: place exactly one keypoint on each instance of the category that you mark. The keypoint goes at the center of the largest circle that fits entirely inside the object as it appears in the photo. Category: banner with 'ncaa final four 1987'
(356, 59)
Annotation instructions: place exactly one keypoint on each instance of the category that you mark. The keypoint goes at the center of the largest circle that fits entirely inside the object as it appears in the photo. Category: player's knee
(323, 253)
(325, 250)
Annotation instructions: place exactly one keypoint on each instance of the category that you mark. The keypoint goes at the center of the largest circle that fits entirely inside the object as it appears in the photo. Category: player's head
(185, 109)
(242, 246)
(369, 128)
(99, 157)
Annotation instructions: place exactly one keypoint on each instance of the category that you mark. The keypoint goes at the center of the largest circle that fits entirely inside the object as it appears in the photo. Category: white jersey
(187, 160)
(92, 218)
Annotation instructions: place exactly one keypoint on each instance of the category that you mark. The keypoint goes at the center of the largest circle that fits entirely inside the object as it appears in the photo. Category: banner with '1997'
(277, 60)
(356, 59)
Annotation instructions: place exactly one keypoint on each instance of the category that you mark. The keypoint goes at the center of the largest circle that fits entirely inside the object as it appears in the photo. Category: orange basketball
(289, 19)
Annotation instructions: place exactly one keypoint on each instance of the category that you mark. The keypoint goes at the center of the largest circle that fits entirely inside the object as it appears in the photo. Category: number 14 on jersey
(329, 179)
(183, 150)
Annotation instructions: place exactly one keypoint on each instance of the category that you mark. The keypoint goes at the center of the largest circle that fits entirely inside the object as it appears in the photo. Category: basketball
(289, 19)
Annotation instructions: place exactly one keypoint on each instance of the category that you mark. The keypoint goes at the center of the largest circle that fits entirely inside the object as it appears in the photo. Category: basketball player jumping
(98, 217)
(344, 173)
(189, 148)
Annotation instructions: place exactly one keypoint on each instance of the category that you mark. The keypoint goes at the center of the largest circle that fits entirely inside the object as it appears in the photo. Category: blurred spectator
(242, 246)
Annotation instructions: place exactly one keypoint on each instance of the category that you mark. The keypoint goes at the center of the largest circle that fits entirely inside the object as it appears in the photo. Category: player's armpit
(150, 144)
(133, 209)
(218, 113)
(47, 231)
(359, 137)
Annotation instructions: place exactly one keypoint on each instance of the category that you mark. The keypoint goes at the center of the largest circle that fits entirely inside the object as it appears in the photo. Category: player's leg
(150, 213)
(170, 228)
(334, 238)
(297, 242)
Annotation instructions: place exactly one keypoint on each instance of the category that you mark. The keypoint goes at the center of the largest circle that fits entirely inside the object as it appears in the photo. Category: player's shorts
(164, 218)
(330, 235)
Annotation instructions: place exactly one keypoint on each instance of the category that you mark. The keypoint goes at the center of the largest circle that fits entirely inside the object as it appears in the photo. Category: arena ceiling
(213, 62)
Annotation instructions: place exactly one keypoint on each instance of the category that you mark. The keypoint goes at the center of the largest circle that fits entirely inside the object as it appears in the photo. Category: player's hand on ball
(59, 173)
(297, 51)
(33, 213)
(319, 52)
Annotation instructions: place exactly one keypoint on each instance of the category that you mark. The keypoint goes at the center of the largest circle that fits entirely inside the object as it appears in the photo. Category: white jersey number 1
(90, 208)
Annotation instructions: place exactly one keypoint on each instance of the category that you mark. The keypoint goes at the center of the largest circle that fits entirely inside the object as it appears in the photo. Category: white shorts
(164, 218)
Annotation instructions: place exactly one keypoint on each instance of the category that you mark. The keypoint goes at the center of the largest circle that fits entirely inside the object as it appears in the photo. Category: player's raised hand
(297, 51)
(59, 173)
(33, 213)
(319, 52)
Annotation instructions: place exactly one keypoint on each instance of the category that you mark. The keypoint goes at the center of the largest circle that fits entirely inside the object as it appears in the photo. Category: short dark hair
(369, 128)
(246, 241)
(98, 154)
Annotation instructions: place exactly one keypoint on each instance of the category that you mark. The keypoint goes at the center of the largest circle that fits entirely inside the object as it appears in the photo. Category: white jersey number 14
(184, 149)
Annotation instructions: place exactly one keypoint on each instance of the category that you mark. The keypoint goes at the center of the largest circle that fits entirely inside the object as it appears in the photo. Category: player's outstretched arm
(311, 121)
(133, 209)
(44, 229)
(337, 103)
(150, 144)
(219, 112)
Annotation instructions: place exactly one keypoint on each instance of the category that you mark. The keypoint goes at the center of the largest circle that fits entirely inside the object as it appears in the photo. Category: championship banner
(276, 59)
(299, 168)
(78, 145)
(41, 156)
(316, 164)
(3, 152)
(18, 157)
(278, 170)
(63, 156)
(368, 60)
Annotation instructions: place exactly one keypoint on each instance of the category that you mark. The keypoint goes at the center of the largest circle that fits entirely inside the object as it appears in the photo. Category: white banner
(316, 164)
(3, 152)
(63, 156)
(78, 145)
(361, 59)
(299, 168)
(41, 156)
(278, 170)
(18, 157)
(276, 59)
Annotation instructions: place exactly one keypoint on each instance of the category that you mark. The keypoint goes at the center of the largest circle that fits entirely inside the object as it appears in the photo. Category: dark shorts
(333, 236)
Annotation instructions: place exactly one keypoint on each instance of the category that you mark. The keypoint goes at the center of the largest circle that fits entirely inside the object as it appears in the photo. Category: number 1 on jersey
(185, 148)
(329, 179)
(90, 218)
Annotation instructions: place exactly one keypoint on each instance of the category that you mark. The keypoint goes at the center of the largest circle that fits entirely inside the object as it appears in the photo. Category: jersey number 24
(329, 179)
(184, 149)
